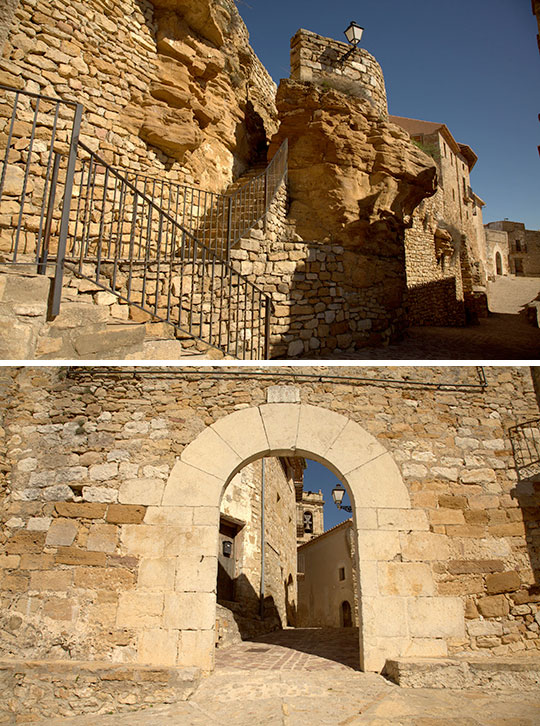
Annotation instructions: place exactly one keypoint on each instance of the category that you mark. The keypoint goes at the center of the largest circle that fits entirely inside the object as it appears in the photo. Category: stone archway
(396, 597)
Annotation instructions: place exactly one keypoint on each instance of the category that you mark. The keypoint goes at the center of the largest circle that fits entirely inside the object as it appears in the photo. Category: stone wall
(523, 247)
(242, 500)
(176, 93)
(327, 579)
(445, 241)
(317, 59)
(497, 243)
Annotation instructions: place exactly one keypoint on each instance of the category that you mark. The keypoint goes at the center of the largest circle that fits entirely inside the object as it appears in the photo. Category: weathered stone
(494, 606)
(503, 582)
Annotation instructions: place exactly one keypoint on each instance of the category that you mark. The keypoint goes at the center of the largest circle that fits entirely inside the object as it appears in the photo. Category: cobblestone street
(505, 335)
(310, 676)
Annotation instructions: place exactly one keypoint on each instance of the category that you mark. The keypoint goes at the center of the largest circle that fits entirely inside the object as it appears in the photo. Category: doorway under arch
(346, 615)
(498, 263)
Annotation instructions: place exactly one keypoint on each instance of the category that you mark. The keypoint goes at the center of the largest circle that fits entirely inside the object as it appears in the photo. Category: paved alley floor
(504, 335)
(298, 678)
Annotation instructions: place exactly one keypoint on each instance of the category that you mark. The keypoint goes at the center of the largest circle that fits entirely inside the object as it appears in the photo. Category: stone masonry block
(378, 483)
(403, 519)
(385, 616)
(102, 538)
(377, 545)
(353, 448)
(56, 580)
(141, 491)
(499, 582)
(280, 422)
(190, 486)
(139, 609)
(211, 454)
(197, 648)
(436, 617)
(61, 533)
(176, 516)
(81, 510)
(157, 573)
(405, 579)
(232, 429)
(158, 647)
(317, 431)
(189, 611)
(493, 606)
(142, 540)
(283, 394)
(422, 546)
(125, 513)
(199, 575)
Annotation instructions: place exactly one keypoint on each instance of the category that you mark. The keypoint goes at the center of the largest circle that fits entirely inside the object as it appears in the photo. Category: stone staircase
(215, 223)
(93, 324)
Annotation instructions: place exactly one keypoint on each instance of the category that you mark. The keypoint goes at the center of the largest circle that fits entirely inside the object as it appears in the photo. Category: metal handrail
(66, 207)
(124, 235)
(225, 218)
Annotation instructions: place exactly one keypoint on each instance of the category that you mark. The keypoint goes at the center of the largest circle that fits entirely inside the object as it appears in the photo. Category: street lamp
(354, 33)
(354, 36)
(337, 496)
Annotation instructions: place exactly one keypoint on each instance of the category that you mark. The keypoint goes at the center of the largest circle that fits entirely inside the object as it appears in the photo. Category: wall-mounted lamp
(354, 36)
(337, 495)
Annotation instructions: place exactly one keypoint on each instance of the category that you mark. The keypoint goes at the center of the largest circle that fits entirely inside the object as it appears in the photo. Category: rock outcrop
(354, 177)
(210, 103)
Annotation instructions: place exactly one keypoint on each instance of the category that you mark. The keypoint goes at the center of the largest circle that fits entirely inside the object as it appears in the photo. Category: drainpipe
(263, 483)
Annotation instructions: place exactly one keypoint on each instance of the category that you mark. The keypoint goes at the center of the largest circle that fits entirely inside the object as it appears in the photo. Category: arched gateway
(181, 533)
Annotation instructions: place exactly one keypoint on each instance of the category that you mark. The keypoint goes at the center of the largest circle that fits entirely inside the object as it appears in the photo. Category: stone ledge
(87, 687)
(498, 673)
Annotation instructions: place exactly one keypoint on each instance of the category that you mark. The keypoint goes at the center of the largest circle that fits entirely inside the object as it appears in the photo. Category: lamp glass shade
(354, 33)
(337, 495)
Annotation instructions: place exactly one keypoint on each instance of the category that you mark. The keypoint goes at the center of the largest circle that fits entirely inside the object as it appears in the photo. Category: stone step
(466, 672)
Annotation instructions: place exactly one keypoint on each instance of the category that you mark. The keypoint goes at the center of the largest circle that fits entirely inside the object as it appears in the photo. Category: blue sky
(471, 64)
(316, 477)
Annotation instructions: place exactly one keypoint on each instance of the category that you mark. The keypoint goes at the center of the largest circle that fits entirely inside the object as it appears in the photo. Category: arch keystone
(280, 422)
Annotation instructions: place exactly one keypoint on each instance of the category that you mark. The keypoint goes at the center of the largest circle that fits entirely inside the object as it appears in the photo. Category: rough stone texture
(522, 247)
(318, 60)
(354, 181)
(83, 601)
(30, 692)
(497, 673)
(184, 96)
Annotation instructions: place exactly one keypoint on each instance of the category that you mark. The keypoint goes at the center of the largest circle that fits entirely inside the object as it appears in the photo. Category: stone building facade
(445, 245)
(327, 587)
(310, 516)
(497, 252)
(113, 480)
(523, 247)
(246, 577)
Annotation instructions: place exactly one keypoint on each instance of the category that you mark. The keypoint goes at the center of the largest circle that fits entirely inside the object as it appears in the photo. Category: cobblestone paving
(254, 683)
(505, 335)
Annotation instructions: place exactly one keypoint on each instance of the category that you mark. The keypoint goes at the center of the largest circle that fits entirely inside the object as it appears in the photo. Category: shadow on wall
(436, 303)
(527, 494)
(245, 606)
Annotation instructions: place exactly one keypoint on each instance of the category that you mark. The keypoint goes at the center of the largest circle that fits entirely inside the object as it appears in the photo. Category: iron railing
(61, 202)
(124, 242)
(219, 221)
(41, 135)
(525, 439)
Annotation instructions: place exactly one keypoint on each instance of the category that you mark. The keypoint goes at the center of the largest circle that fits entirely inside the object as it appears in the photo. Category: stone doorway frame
(398, 613)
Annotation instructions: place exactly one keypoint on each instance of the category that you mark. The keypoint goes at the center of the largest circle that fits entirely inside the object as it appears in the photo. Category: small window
(518, 246)
(341, 573)
(308, 522)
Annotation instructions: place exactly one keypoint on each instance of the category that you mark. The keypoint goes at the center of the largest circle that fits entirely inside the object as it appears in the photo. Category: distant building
(327, 579)
(497, 253)
(309, 516)
(523, 247)
(445, 245)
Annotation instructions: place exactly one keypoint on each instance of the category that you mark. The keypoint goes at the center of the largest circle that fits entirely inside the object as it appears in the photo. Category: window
(308, 521)
(341, 574)
(518, 246)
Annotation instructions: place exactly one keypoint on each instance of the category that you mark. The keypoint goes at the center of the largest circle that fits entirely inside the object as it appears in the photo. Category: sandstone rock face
(210, 104)
(354, 177)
